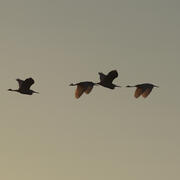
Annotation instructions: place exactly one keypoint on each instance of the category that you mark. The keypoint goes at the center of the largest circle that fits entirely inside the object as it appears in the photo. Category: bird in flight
(82, 87)
(143, 89)
(106, 80)
(24, 86)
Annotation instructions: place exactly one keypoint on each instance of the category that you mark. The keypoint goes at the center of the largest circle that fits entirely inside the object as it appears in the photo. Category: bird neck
(130, 86)
(16, 90)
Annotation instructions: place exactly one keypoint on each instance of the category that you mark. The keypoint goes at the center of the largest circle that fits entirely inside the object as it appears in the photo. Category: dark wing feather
(20, 82)
(101, 76)
(112, 75)
(27, 83)
(147, 92)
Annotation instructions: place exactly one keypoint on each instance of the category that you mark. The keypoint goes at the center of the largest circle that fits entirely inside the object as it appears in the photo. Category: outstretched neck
(130, 86)
(13, 90)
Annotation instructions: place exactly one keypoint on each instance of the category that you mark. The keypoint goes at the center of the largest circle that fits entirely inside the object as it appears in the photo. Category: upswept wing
(20, 82)
(101, 76)
(27, 83)
(147, 92)
(112, 75)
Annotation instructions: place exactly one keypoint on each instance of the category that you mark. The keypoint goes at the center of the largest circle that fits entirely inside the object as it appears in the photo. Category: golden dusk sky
(107, 134)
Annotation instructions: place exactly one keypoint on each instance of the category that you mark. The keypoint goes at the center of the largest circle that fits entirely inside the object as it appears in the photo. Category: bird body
(143, 89)
(83, 87)
(106, 80)
(24, 86)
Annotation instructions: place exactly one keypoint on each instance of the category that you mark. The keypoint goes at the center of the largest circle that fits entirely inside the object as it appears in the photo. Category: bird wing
(20, 82)
(89, 89)
(147, 92)
(112, 75)
(138, 92)
(27, 83)
(101, 76)
(79, 91)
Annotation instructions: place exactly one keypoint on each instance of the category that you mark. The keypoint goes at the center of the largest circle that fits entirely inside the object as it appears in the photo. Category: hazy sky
(108, 134)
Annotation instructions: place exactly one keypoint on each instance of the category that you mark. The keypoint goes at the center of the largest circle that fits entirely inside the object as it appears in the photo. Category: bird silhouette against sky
(143, 89)
(106, 80)
(82, 87)
(24, 86)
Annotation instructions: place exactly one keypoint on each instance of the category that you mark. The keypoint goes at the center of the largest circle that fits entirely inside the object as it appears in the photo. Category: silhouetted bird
(106, 80)
(143, 89)
(82, 87)
(24, 86)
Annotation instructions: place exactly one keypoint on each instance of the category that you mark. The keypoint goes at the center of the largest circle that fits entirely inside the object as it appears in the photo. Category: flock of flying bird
(87, 86)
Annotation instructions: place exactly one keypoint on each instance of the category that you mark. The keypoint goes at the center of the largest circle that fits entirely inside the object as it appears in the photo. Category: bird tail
(156, 86)
(36, 92)
(118, 86)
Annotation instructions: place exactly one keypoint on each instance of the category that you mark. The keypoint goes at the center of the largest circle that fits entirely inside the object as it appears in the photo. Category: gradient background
(107, 134)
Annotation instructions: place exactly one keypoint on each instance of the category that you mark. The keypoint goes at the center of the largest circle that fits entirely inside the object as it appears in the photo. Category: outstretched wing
(138, 92)
(27, 83)
(79, 91)
(20, 82)
(147, 92)
(112, 75)
(101, 76)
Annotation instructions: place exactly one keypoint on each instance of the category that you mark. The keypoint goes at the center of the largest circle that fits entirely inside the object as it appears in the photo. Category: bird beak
(156, 86)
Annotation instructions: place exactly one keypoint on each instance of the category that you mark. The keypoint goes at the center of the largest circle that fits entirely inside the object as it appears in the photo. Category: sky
(107, 134)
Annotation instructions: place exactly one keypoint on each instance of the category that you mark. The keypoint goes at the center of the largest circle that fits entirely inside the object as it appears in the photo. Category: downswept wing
(138, 92)
(89, 89)
(79, 91)
(147, 92)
